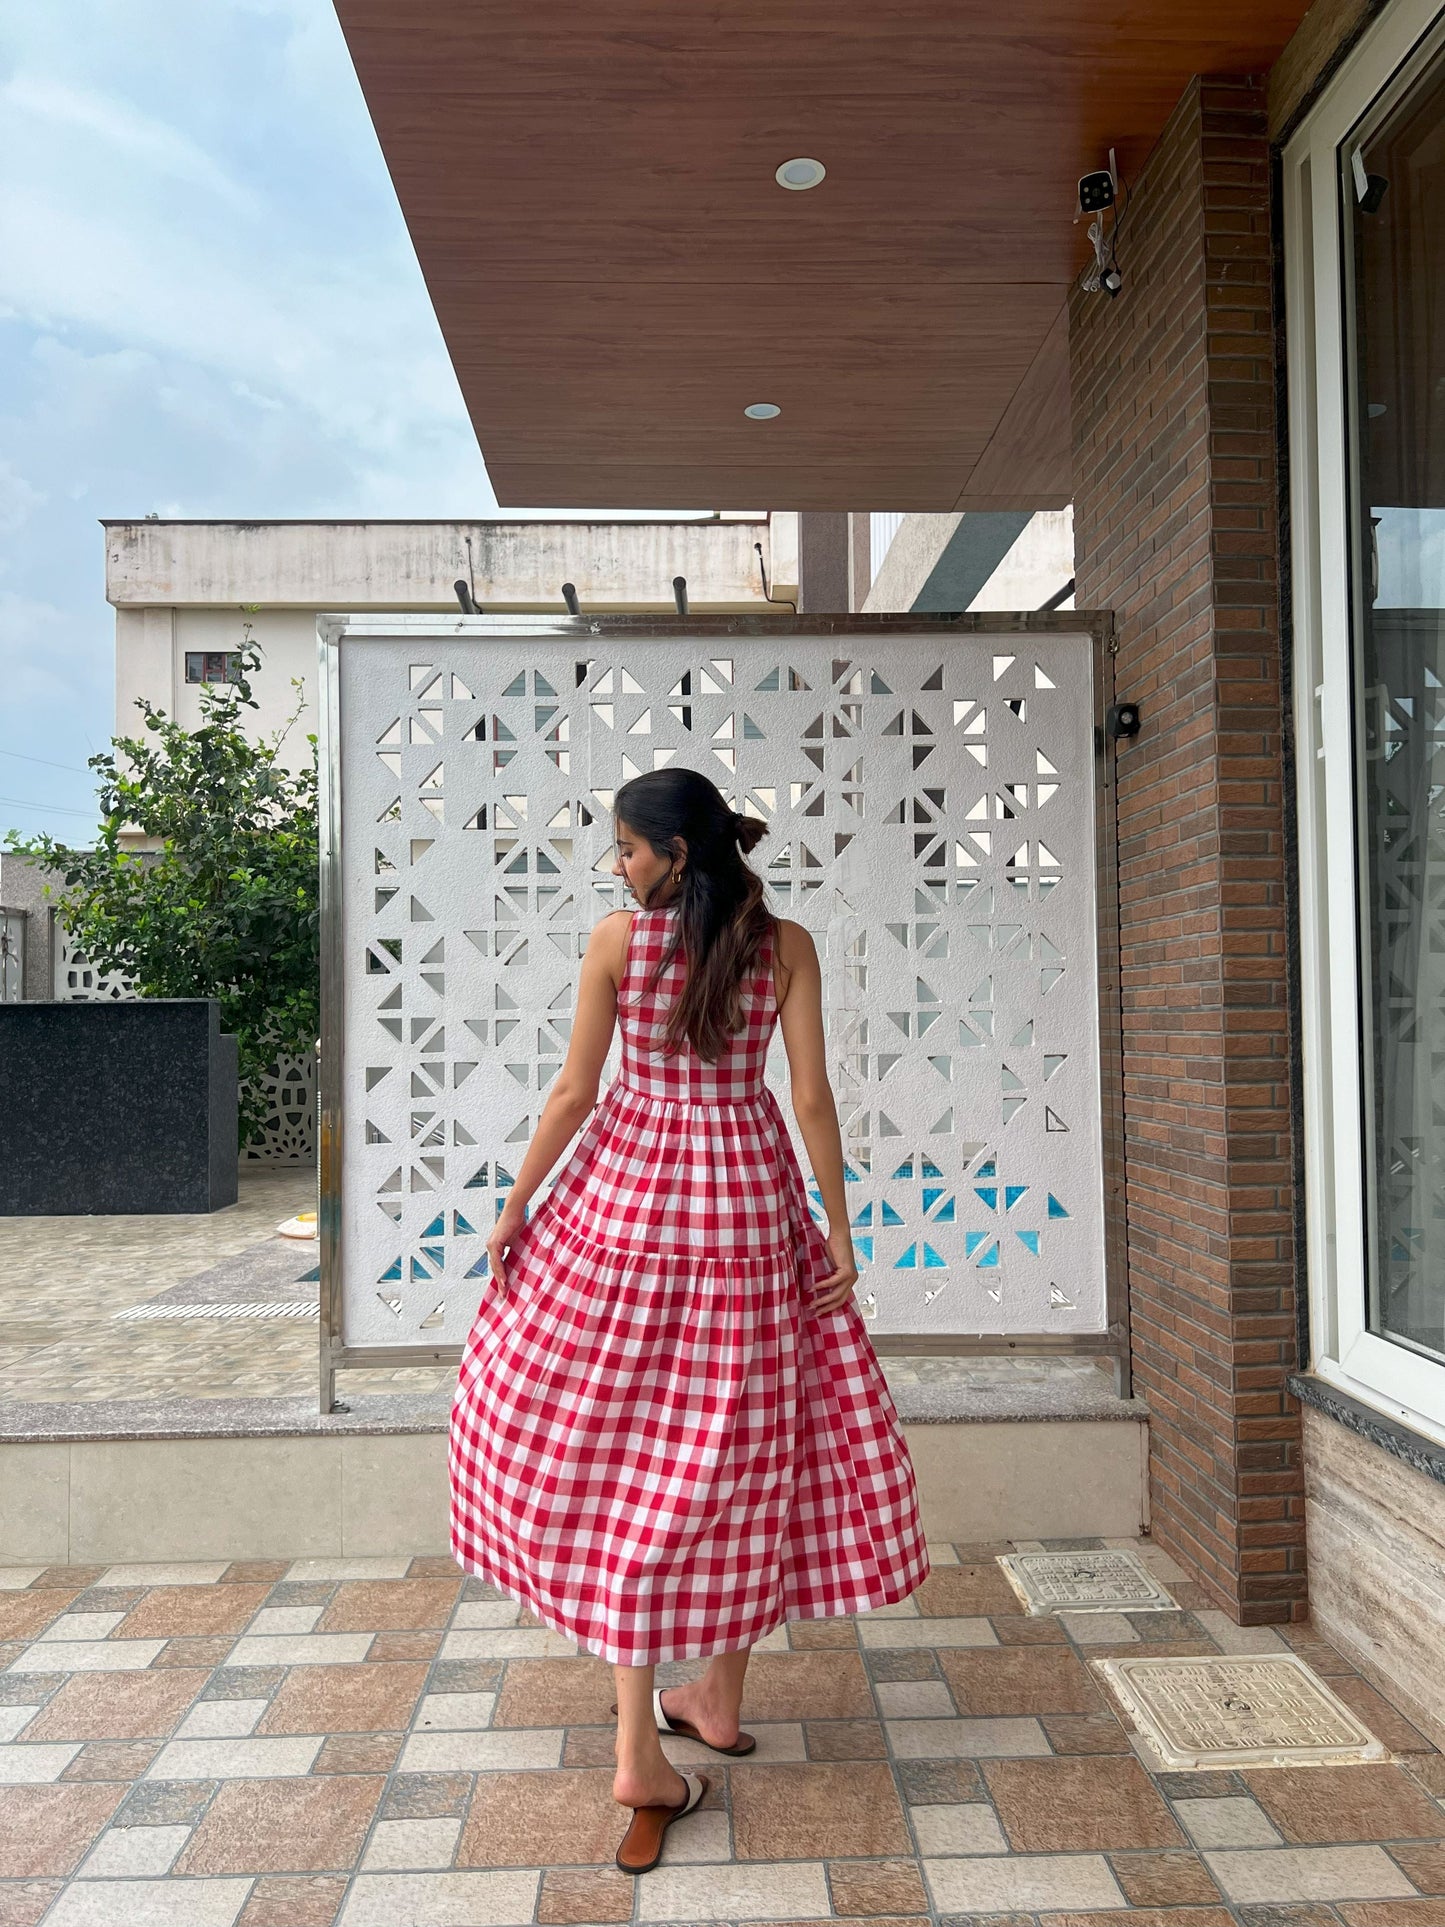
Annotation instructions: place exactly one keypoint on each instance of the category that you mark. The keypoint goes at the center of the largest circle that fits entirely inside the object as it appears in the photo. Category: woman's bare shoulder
(794, 942)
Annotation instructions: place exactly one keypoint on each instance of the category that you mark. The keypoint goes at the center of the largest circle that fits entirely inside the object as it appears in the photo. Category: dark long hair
(721, 916)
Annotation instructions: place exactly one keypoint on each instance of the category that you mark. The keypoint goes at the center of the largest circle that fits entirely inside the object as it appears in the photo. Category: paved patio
(382, 1744)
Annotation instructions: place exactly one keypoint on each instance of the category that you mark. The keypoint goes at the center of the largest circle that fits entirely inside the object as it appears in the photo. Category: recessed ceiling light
(799, 174)
(762, 411)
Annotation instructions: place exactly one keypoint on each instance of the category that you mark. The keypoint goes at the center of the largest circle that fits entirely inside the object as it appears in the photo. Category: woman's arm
(801, 1019)
(574, 1093)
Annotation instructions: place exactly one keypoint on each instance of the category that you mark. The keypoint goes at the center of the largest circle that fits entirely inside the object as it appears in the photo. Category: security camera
(1096, 190)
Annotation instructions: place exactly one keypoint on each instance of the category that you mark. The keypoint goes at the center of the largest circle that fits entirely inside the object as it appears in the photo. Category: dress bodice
(737, 1076)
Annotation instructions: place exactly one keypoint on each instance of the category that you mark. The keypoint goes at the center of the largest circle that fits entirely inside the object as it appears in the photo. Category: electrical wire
(55, 809)
(22, 757)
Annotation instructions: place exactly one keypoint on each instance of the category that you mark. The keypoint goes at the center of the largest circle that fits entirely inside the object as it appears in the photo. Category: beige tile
(966, 1739)
(185, 1573)
(454, 1712)
(87, 1656)
(1230, 1638)
(917, 1699)
(34, 1765)
(411, 1845)
(873, 1632)
(1098, 1629)
(149, 1903)
(300, 1649)
(14, 1720)
(505, 1899)
(1023, 1883)
(485, 1752)
(221, 1720)
(479, 1614)
(1228, 1821)
(1308, 1873)
(233, 1759)
(130, 1852)
(283, 1619)
(508, 1643)
(794, 1890)
(347, 1568)
(962, 1829)
(17, 1578)
(82, 1626)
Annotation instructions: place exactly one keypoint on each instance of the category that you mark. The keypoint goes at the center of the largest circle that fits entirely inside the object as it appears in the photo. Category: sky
(209, 306)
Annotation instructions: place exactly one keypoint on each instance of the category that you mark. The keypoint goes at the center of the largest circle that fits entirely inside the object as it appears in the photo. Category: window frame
(1406, 1384)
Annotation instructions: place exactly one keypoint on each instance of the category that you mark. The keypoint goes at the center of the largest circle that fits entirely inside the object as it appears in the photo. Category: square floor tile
(284, 1826)
(234, 1759)
(815, 1811)
(795, 1890)
(1021, 1679)
(294, 1900)
(119, 1706)
(1166, 1879)
(149, 1903)
(346, 1699)
(454, 1712)
(1309, 1873)
(221, 1720)
(127, 1851)
(958, 1829)
(1076, 1805)
(1233, 1821)
(1024, 1883)
(47, 1829)
(411, 1845)
(1345, 1803)
(444, 1900)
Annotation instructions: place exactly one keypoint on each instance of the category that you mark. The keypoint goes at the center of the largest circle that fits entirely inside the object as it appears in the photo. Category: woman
(671, 1433)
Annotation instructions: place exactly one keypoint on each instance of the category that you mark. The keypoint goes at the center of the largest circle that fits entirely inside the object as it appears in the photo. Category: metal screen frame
(598, 632)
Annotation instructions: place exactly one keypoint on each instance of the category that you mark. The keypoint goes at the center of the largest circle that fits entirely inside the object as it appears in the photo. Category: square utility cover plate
(1085, 1582)
(1223, 1712)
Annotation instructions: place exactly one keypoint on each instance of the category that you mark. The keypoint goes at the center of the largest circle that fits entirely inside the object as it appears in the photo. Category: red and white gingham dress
(656, 1444)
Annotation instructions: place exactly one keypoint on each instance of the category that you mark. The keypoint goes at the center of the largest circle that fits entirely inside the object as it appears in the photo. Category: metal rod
(465, 597)
(569, 596)
(679, 594)
(1060, 595)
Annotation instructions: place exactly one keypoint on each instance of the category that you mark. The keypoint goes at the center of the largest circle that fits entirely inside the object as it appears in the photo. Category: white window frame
(1388, 1376)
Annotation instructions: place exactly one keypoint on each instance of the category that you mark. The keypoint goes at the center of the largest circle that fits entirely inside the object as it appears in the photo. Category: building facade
(1235, 372)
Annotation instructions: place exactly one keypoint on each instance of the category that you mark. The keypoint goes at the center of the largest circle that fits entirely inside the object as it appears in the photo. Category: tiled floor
(381, 1744)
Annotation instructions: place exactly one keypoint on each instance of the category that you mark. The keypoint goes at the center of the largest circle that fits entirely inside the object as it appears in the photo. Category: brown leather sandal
(669, 1723)
(641, 1847)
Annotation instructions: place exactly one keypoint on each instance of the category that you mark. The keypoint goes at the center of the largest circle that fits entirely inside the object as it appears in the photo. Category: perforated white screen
(930, 810)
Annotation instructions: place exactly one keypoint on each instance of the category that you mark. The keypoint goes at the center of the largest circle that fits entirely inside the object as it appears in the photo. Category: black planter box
(116, 1107)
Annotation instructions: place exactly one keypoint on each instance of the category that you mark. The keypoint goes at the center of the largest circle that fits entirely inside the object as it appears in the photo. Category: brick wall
(1175, 531)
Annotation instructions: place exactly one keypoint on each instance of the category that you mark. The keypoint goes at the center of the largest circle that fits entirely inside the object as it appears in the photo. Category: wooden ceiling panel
(589, 188)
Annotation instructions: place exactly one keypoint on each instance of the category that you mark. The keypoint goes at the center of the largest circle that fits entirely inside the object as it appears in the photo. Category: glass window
(212, 665)
(1393, 256)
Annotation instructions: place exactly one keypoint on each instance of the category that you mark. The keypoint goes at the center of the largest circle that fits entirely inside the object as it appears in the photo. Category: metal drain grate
(1085, 1582)
(255, 1308)
(1223, 1711)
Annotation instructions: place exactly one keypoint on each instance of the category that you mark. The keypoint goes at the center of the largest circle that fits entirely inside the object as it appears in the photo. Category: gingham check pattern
(655, 1444)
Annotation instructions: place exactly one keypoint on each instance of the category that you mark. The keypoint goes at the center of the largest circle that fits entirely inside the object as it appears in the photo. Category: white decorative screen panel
(931, 820)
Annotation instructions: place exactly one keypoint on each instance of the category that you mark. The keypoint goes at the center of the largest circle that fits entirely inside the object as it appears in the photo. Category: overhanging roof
(589, 188)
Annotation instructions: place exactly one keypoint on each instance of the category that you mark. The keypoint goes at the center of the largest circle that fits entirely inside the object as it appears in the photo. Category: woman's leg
(644, 1776)
(712, 1703)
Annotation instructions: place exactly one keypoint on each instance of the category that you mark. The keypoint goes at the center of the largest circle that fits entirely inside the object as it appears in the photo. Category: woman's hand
(837, 1288)
(509, 1227)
